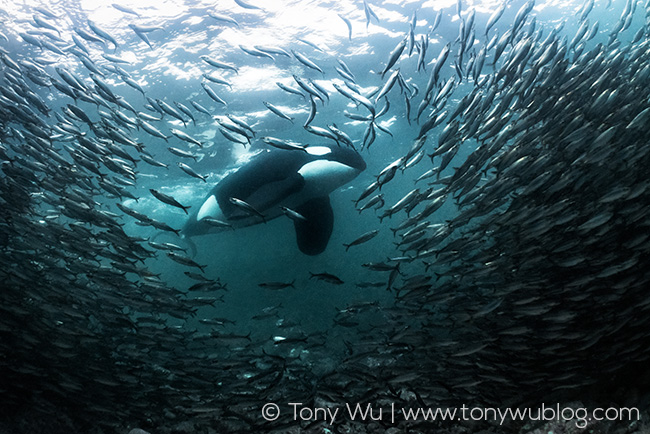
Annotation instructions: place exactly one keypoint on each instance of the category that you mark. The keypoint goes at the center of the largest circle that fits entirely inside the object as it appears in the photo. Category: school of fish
(534, 139)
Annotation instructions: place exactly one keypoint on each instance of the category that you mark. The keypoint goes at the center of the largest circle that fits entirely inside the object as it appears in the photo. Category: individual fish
(436, 21)
(218, 80)
(319, 131)
(586, 9)
(102, 33)
(186, 110)
(217, 223)
(88, 37)
(186, 137)
(394, 56)
(369, 13)
(582, 30)
(593, 31)
(141, 32)
(344, 74)
(138, 28)
(277, 111)
(424, 45)
(308, 88)
(312, 111)
(151, 161)
(40, 22)
(341, 136)
(235, 137)
(212, 94)
(367, 192)
(164, 198)
(284, 144)
(322, 91)
(306, 61)
(45, 11)
(311, 44)
(133, 213)
(152, 130)
(163, 226)
(290, 89)
(435, 71)
(184, 260)
(134, 84)
(218, 64)
(273, 50)
(223, 18)
(125, 9)
(388, 173)
(293, 215)
(387, 86)
(357, 98)
(277, 285)
(496, 15)
(241, 123)
(362, 239)
(247, 5)
(239, 131)
(376, 201)
(326, 277)
(522, 13)
(200, 108)
(348, 24)
(255, 52)
(170, 110)
(236, 126)
(247, 208)
(187, 169)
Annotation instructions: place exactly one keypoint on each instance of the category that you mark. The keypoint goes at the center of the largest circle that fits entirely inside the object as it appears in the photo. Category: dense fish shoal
(494, 251)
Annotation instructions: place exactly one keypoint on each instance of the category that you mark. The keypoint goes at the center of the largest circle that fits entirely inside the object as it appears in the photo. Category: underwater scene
(317, 216)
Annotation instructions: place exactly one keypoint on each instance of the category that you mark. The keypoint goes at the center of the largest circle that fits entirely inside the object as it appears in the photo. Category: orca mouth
(347, 156)
(354, 159)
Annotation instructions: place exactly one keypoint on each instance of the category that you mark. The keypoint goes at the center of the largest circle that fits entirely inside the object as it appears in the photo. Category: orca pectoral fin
(314, 233)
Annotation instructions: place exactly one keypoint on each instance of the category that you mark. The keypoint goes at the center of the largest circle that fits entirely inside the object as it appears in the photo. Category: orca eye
(318, 150)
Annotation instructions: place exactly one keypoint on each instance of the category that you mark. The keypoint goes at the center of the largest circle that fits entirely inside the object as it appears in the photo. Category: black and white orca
(277, 178)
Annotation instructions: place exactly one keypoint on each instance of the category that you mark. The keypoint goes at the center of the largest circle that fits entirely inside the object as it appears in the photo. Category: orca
(300, 180)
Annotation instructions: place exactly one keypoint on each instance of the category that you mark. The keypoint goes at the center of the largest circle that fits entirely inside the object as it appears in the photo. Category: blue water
(171, 71)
